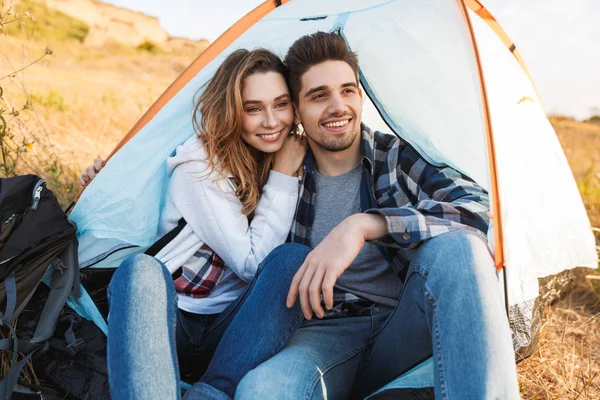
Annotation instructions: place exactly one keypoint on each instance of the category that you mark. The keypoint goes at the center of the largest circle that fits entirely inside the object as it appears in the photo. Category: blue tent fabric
(418, 377)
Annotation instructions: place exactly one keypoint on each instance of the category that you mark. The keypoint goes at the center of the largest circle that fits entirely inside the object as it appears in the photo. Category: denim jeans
(451, 307)
(148, 334)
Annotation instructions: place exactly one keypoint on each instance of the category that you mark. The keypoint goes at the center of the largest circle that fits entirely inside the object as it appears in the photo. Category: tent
(441, 74)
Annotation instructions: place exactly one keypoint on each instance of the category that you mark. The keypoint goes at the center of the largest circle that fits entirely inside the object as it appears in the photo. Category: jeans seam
(438, 345)
(332, 364)
(289, 334)
(416, 270)
(234, 310)
(239, 301)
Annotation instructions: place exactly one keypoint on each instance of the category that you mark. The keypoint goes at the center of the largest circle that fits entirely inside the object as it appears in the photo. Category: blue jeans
(148, 334)
(451, 307)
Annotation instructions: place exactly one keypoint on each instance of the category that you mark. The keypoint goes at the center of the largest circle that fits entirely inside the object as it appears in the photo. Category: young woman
(236, 186)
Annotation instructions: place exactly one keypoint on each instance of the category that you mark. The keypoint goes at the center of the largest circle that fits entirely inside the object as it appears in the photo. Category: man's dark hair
(314, 49)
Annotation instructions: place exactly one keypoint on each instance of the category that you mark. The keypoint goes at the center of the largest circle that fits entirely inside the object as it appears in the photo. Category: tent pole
(494, 186)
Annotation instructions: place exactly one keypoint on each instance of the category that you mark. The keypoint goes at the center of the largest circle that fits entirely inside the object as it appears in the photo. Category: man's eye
(318, 96)
(349, 91)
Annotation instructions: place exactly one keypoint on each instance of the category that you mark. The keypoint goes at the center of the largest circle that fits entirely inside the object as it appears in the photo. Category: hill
(94, 24)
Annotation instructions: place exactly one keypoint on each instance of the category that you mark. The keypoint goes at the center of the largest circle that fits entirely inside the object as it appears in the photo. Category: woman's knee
(142, 272)
(285, 259)
(142, 266)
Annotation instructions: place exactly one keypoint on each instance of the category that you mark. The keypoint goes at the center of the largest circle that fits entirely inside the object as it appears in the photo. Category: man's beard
(333, 144)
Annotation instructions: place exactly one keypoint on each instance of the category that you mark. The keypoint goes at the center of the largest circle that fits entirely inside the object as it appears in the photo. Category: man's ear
(360, 93)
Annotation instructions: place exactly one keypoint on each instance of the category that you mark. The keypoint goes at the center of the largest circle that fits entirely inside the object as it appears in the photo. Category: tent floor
(405, 394)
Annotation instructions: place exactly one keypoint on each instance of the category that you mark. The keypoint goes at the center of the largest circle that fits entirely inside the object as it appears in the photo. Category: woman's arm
(214, 214)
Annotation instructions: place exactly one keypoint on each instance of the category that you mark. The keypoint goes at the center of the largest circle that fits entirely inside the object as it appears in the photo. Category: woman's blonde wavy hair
(218, 123)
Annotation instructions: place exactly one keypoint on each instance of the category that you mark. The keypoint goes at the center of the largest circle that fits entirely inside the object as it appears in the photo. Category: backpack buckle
(75, 347)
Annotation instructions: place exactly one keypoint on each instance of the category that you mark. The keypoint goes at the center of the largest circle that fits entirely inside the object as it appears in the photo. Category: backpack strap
(9, 382)
(11, 298)
(167, 237)
(64, 277)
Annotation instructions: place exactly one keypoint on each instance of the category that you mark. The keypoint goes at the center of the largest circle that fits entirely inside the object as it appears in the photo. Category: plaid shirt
(417, 199)
(200, 274)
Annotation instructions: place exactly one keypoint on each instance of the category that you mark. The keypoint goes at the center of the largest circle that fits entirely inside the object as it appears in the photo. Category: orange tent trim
(488, 18)
(494, 192)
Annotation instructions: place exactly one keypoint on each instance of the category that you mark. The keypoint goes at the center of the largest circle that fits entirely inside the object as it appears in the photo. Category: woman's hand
(288, 159)
(90, 172)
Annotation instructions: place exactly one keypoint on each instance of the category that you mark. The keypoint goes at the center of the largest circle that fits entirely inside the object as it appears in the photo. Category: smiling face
(330, 107)
(268, 114)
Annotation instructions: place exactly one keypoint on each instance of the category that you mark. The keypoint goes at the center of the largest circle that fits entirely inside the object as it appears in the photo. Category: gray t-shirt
(370, 276)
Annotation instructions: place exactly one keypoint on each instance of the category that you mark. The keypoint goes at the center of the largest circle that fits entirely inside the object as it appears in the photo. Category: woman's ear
(297, 120)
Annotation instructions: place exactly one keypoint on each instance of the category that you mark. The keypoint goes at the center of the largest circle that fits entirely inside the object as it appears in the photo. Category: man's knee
(261, 383)
(453, 256)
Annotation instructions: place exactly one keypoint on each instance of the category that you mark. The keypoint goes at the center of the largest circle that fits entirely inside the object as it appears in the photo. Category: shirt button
(406, 236)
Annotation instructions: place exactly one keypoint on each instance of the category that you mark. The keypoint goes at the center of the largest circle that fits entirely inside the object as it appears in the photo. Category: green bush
(51, 100)
(594, 119)
(148, 46)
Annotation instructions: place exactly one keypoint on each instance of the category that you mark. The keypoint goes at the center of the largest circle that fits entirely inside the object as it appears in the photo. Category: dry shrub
(28, 375)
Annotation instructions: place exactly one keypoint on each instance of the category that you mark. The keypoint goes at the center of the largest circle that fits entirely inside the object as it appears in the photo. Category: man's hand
(324, 265)
(90, 172)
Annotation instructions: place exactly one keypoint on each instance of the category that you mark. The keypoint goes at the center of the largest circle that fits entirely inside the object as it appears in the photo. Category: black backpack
(35, 234)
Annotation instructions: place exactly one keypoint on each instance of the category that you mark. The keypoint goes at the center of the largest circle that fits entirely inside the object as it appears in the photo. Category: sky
(558, 39)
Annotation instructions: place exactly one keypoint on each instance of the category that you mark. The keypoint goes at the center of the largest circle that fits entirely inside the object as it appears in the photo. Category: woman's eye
(281, 105)
(253, 110)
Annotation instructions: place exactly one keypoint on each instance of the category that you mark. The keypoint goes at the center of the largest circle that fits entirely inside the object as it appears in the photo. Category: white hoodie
(214, 217)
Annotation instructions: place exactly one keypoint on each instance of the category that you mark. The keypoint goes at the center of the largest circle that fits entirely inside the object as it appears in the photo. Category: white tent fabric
(546, 228)
(419, 69)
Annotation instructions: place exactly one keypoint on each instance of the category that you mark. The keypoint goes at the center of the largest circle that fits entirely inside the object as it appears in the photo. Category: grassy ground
(80, 102)
(567, 362)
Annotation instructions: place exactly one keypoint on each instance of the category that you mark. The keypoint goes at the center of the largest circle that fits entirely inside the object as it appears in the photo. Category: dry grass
(581, 143)
(80, 101)
(567, 362)
(86, 99)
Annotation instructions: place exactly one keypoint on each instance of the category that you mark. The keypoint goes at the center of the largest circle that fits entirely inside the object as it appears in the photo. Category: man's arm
(326, 262)
(442, 200)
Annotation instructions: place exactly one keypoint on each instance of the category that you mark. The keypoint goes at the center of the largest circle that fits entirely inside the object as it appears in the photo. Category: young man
(399, 269)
